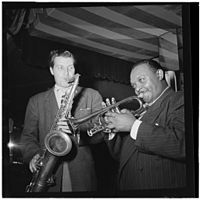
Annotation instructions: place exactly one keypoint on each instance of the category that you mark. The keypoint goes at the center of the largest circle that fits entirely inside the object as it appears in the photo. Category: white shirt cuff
(111, 136)
(134, 129)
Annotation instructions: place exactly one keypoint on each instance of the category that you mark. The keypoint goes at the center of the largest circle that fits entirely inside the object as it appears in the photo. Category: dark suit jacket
(156, 158)
(40, 114)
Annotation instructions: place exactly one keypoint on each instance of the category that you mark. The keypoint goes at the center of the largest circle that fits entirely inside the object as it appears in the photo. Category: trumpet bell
(58, 143)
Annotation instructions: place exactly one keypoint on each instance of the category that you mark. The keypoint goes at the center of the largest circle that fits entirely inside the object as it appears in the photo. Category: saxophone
(57, 143)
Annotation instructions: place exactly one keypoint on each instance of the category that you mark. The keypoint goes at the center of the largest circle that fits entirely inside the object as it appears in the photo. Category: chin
(146, 100)
(64, 85)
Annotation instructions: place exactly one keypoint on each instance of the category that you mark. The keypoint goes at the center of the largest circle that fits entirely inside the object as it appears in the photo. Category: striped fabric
(168, 51)
(131, 32)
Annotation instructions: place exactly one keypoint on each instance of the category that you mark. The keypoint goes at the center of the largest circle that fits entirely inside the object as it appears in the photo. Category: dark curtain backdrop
(89, 64)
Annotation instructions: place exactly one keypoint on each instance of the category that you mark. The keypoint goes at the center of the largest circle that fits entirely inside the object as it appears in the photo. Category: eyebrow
(65, 65)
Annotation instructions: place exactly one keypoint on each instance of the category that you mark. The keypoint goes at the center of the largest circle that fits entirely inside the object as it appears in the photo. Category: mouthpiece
(72, 80)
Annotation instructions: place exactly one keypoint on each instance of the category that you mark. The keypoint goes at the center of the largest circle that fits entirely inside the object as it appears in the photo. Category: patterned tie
(60, 96)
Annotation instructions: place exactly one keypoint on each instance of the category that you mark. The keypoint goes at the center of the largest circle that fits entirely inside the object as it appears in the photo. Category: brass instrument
(57, 143)
(101, 124)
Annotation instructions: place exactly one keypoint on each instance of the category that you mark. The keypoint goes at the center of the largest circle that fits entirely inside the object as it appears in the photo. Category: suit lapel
(51, 106)
(158, 103)
(128, 147)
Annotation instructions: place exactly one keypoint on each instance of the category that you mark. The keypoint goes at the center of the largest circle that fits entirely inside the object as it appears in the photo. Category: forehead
(140, 70)
(64, 60)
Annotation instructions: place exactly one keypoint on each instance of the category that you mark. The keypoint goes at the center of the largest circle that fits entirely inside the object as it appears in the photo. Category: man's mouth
(141, 95)
(142, 92)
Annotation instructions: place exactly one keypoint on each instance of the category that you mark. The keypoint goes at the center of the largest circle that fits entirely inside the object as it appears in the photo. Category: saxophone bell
(58, 143)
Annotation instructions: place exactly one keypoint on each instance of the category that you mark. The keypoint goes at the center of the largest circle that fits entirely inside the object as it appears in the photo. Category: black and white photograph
(97, 99)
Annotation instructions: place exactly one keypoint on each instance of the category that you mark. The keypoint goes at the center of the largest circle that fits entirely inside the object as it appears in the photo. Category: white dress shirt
(59, 93)
(137, 122)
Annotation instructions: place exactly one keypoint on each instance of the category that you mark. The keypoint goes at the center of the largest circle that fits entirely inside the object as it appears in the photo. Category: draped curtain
(89, 63)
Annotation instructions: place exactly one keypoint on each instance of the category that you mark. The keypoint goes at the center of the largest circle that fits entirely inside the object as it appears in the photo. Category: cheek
(57, 75)
(72, 71)
(148, 85)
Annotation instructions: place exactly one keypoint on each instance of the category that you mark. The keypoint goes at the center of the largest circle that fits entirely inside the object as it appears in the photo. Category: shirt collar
(150, 104)
(62, 89)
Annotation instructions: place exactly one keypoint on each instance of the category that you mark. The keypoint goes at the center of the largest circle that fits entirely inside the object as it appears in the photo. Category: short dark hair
(60, 52)
(153, 65)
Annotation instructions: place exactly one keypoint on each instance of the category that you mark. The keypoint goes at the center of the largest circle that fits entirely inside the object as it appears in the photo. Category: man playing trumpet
(150, 149)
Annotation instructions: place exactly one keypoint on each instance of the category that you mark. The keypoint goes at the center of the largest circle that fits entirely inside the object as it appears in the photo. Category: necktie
(60, 94)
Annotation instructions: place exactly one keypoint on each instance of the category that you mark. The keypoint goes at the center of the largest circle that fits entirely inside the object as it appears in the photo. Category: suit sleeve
(29, 137)
(167, 140)
(114, 146)
(94, 101)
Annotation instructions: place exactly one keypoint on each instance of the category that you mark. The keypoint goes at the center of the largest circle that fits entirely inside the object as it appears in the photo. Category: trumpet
(101, 124)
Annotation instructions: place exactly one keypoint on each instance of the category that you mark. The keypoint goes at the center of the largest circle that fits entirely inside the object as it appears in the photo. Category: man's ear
(160, 74)
(51, 70)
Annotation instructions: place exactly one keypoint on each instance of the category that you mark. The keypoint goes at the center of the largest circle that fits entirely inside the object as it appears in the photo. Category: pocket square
(85, 108)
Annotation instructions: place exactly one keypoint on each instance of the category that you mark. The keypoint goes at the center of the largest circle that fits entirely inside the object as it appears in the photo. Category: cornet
(101, 124)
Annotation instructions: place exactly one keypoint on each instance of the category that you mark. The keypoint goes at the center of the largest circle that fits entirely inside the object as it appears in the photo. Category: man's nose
(137, 89)
(66, 72)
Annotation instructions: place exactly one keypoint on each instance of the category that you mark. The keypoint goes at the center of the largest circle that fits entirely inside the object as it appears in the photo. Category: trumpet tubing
(100, 126)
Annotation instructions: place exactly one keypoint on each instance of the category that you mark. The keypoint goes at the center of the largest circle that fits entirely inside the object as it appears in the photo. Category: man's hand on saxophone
(63, 126)
(33, 163)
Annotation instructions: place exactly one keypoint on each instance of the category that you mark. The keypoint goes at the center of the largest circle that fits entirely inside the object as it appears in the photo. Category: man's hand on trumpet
(120, 121)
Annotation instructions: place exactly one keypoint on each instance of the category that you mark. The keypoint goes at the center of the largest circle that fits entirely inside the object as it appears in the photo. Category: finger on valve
(110, 103)
(116, 109)
(103, 105)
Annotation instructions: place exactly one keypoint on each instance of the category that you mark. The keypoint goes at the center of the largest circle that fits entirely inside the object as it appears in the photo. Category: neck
(58, 86)
(165, 87)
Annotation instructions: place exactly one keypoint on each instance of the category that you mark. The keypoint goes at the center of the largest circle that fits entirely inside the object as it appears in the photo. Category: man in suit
(151, 148)
(75, 172)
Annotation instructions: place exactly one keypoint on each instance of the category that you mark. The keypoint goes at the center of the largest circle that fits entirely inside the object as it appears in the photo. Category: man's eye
(71, 68)
(59, 67)
(141, 80)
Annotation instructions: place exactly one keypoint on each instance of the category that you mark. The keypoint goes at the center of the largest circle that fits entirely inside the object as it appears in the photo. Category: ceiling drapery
(128, 32)
(123, 33)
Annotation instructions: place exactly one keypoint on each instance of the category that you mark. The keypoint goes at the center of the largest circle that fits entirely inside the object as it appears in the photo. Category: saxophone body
(57, 143)
(42, 179)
